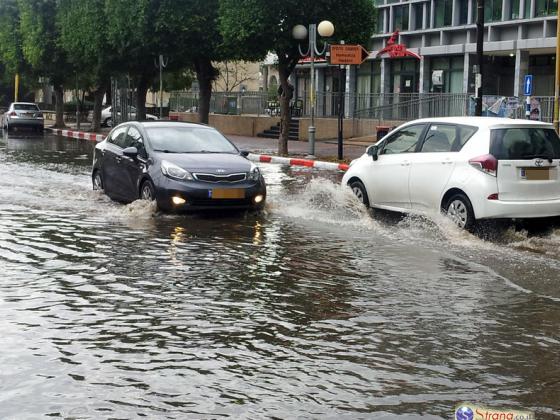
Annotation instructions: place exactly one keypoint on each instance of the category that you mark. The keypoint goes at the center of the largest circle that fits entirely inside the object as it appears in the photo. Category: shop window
(400, 17)
(545, 7)
(443, 12)
(514, 11)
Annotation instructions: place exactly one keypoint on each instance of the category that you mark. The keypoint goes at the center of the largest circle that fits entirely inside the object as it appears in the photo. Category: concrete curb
(77, 134)
(299, 162)
(252, 156)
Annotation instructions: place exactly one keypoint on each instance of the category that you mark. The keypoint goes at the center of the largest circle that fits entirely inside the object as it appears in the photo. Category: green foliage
(255, 27)
(39, 39)
(10, 39)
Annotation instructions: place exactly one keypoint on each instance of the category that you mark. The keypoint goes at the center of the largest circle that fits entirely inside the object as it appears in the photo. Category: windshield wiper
(537, 156)
(165, 151)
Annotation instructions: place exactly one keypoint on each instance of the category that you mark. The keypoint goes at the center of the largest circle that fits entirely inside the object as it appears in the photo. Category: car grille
(220, 178)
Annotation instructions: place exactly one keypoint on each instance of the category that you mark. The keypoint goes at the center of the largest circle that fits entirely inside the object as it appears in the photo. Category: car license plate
(220, 193)
(535, 174)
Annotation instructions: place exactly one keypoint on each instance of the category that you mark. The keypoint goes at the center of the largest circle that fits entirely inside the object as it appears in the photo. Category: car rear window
(524, 143)
(26, 107)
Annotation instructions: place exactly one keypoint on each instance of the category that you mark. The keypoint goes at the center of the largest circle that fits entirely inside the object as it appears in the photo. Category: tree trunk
(141, 92)
(59, 106)
(97, 107)
(285, 94)
(205, 74)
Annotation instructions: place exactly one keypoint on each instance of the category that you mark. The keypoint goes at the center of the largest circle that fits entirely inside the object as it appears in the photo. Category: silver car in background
(23, 114)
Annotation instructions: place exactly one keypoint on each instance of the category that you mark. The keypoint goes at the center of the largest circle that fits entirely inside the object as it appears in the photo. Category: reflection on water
(309, 309)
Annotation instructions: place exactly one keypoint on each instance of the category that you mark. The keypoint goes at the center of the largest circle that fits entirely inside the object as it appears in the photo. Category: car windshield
(525, 143)
(26, 107)
(189, 140)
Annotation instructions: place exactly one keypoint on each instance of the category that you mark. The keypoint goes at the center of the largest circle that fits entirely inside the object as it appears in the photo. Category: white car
(470, 168)
(107, 116)
(23, 114)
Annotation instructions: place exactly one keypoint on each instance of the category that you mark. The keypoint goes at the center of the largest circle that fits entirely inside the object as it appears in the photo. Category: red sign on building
(396, 50)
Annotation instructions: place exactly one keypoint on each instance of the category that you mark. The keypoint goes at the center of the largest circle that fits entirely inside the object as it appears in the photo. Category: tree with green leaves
(255, 27)
(197, 42)
(39, 44)
(81, 26)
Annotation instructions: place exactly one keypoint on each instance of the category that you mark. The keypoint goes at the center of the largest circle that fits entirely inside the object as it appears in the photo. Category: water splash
(324, 202)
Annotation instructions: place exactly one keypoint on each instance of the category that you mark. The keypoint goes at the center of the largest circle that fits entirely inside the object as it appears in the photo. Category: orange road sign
(348, 54)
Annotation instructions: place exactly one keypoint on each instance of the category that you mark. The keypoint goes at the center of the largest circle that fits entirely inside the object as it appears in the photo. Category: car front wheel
(359, 191)
(97, 181)
(459, 209)
(147, 191)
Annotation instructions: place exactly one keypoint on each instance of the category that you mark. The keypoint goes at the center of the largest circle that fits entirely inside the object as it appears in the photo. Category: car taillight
(13, 114)
(485, 163)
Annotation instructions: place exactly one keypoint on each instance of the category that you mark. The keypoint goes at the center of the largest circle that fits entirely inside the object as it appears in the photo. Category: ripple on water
(310, 309)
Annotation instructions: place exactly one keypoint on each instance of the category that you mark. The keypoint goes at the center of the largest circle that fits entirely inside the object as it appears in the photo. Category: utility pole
(479, 55)
(557, 78)
(16, 87)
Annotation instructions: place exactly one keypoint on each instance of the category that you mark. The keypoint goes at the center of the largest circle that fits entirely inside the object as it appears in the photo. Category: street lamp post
(160, 66)
(300, 32)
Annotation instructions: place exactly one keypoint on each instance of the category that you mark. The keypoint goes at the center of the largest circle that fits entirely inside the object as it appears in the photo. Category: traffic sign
(528, 85)
(348, 54)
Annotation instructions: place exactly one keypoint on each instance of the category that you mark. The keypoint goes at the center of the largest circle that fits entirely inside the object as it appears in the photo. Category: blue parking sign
(528, 85)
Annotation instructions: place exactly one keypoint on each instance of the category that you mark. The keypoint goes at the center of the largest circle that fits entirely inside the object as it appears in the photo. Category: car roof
(23, 103)
(484, 122)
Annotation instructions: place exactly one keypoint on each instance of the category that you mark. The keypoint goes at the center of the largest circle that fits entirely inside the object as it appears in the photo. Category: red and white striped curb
(77, 134)
(309, 163)
(299, 162)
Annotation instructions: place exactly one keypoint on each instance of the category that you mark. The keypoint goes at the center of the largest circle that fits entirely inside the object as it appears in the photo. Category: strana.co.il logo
(464, 413)
(467, 411)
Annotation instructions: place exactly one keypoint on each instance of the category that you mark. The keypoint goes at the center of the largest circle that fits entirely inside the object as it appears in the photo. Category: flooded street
(311, 309)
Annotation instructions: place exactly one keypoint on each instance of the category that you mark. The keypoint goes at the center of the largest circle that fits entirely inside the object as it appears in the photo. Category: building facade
(519, 39)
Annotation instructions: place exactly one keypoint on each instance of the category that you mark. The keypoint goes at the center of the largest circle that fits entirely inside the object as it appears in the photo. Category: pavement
(324, 149)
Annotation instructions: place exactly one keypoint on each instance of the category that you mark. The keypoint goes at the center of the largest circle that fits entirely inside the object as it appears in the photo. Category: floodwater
(311, 309)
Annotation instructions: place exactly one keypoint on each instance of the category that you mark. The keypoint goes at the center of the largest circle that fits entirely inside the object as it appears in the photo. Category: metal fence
(376, 106)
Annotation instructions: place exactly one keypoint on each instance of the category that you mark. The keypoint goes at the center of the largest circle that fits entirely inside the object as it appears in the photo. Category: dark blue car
(182, 166)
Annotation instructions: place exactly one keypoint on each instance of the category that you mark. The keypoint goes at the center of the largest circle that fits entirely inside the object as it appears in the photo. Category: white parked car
(107, 116)
(470, 168)
(23, 114)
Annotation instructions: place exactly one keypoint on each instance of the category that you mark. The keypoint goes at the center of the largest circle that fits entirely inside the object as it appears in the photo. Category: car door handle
(405, 163)
(446, 162)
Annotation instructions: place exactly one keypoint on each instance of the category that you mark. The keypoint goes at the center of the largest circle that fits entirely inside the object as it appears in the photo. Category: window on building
(463, 12)
(443, 11)
(527, 11)
(400, 18)
(381, 22)
(492, 10)
(418, 15)
(514, 11)
(452, 80)
(545, 7)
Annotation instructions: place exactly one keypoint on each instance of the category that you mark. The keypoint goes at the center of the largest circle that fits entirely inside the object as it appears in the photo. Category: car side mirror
(373, 151)
(130, 152)
(244, 153)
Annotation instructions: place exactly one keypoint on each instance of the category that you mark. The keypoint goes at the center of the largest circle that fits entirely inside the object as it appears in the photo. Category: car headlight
(173, 171)
(254, 173)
